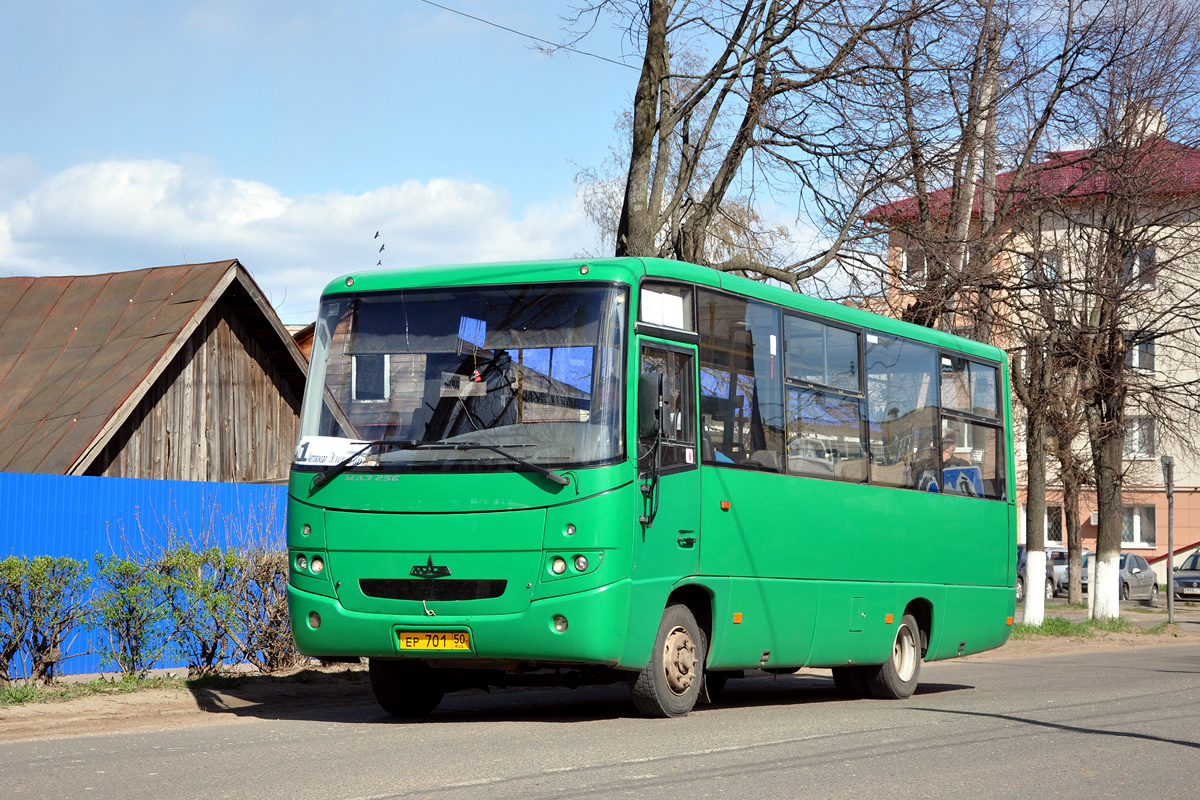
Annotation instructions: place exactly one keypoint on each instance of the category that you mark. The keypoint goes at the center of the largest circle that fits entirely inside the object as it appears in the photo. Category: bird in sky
(381, 247)
(376, 234)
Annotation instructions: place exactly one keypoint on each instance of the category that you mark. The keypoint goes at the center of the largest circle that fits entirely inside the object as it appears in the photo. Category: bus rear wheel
(897, 678)
(405, 688)
(670, 684)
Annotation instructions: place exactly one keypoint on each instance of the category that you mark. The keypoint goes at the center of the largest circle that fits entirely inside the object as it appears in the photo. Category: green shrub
(14, 621)
(199, 584)
(132, 609)
(54, 597)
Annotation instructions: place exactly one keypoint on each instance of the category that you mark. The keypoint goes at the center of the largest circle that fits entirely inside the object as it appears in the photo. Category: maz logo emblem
(428, 570)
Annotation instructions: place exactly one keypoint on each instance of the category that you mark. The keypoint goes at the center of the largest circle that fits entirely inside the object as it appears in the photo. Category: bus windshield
(533, 370)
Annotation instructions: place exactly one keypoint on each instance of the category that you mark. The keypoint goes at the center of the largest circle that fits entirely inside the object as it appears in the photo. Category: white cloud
(118, 215)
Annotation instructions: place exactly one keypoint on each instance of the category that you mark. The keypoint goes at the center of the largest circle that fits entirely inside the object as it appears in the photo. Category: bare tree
(1131, 224)
(698, 122)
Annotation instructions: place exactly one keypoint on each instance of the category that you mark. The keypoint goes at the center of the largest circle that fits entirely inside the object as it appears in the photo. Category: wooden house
(179, 372)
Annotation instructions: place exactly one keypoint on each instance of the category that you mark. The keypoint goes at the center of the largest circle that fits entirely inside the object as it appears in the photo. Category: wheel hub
(679, 660)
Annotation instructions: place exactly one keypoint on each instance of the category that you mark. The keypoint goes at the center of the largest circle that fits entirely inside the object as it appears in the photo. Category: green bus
(642, 470)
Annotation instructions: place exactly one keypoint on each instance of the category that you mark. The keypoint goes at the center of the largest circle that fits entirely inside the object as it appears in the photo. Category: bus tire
(896, 678)
(670, 684)
(851, 682)
(405, 688)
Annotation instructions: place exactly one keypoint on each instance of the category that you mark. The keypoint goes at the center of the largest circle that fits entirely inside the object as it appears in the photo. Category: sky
(285, 134)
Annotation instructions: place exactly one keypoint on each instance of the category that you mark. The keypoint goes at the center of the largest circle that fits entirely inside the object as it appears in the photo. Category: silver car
(1138, 581)
(1187, 578)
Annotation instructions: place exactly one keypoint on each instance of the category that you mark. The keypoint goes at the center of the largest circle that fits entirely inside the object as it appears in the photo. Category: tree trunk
(1071, 484)
(637, 226)
(1035, 518)
(1107, 446)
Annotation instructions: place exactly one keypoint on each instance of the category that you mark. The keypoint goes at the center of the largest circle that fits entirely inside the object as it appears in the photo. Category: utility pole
(1168, 465)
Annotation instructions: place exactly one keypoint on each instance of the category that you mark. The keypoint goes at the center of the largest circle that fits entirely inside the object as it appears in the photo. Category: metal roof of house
(1156, 168)
(77, 353)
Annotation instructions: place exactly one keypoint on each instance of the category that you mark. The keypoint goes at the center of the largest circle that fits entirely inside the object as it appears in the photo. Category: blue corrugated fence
(66, 515)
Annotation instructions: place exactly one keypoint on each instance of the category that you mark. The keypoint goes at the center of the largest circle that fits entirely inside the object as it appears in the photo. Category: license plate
(434, 640)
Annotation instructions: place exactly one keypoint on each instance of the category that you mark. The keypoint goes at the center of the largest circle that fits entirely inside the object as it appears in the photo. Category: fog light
(560, 623)
(306, 530)
(581, 563)
(301, 562)
(558, 566)
(314, 620)
(570, 531)
(317, 565)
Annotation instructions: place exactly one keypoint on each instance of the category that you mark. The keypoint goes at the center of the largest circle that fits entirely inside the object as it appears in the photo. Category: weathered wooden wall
(220, 412)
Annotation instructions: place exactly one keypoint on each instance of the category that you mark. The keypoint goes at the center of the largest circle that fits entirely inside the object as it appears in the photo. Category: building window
(914, 263)
(1140, 266)
(1138, 526)
(1139, 437)
(1043, 268)
(1054, 524)
(1139, 354)
(370, 381)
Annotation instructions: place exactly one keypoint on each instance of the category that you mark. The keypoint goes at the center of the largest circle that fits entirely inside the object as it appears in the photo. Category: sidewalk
(1187, 614)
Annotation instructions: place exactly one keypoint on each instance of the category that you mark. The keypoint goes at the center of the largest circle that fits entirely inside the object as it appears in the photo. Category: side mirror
(649, 404)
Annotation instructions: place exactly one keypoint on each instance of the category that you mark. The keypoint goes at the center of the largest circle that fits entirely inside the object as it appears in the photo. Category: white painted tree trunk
(1105, 587)
(1035, 587)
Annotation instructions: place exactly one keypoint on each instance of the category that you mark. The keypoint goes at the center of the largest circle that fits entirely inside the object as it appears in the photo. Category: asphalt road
(1119, 723)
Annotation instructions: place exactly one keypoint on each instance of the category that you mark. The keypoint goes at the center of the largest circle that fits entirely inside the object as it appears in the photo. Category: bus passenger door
(668, 547)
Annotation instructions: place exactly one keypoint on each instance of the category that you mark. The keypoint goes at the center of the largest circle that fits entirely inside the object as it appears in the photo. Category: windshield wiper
(333, 471)
(540, 470)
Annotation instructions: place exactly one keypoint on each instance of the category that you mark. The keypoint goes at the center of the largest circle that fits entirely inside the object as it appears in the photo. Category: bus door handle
(686, 541)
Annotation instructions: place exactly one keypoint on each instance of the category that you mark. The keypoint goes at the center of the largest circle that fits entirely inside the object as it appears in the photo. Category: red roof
(1156, 168)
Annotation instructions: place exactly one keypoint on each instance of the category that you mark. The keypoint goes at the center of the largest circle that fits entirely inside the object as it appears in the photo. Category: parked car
(1186, 578)
(1049, 583)
(1062, 581)
(1057, 556)
(1138, 581)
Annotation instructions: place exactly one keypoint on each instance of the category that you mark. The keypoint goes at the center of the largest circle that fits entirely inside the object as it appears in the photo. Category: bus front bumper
(596, 621)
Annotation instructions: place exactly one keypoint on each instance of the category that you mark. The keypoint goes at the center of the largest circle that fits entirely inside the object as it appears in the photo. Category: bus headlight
(317, 565)
(581, 563)
(558, 566)
(301, 562)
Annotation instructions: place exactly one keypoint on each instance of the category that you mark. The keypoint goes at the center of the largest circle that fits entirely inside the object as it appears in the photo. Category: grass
(1065, 628)
(23, 693)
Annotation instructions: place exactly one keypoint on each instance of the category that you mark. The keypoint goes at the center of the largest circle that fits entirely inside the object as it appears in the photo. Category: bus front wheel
(896, 678)
(670, 684)
(405, 688)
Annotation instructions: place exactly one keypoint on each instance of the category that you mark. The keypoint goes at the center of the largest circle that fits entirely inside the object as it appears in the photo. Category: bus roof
(631, 271)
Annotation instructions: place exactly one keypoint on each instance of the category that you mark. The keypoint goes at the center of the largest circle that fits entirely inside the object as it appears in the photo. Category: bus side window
(902, 407)
(741, 380)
